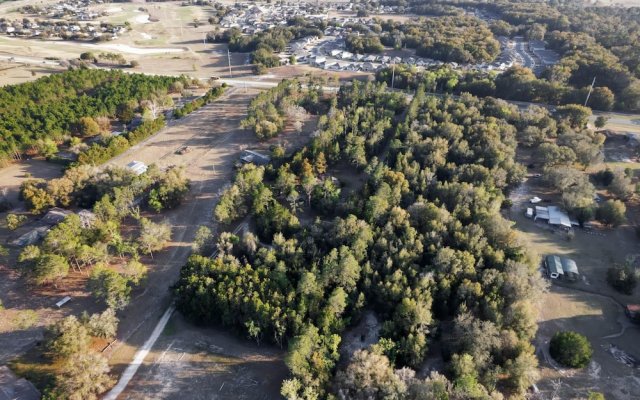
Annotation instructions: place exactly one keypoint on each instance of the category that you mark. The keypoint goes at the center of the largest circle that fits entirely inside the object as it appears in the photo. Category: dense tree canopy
(53, 106)
(462, 39)
(421, 241)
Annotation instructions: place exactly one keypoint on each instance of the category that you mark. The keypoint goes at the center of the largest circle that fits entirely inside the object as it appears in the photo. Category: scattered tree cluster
(360, 44)
(270, 110)
(570, 349)
(622, 278)
(83, 186)
(263, 45)
(84, 371)
(92, 244)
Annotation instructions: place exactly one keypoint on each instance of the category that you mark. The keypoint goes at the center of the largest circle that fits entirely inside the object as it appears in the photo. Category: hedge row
(195, 104)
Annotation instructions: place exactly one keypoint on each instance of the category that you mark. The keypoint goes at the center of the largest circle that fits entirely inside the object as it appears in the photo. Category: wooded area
(49, 109)
(422, 244)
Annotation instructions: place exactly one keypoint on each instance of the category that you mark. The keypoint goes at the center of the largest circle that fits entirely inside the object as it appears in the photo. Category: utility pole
(229, 58)
(590, 90)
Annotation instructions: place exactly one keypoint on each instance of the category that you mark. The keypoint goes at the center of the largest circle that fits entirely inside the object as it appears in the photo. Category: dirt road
(215, 139)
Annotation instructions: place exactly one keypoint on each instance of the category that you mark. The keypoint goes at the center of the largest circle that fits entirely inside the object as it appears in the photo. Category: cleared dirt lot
(206, 363)
(11, 177)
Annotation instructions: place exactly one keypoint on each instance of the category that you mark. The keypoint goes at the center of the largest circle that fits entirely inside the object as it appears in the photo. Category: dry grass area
(13, 74)
(12, 176)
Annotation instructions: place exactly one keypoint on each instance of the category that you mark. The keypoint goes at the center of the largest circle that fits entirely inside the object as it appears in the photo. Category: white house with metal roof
(553, 215)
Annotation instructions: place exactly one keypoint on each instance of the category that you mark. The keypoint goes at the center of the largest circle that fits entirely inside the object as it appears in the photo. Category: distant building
(558, 267)
(319, 61)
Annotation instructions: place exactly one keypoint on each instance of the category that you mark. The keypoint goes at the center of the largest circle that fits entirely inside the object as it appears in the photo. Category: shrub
(14, 221)
(570, 349)
(88, 126)
(612, 212)
(622, 278)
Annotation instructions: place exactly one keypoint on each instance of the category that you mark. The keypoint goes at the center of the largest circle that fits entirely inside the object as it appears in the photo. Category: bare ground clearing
(12, 176)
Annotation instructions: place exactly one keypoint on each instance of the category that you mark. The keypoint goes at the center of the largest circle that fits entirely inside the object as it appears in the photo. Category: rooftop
(12, 387)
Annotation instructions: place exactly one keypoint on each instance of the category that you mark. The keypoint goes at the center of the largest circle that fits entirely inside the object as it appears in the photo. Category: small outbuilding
(138, 167)
(558, 267)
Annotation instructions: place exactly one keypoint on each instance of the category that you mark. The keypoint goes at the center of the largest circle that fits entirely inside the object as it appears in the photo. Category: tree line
(421, 243)
(516, 83)
(104, 150)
